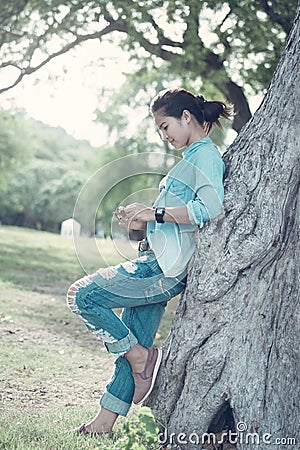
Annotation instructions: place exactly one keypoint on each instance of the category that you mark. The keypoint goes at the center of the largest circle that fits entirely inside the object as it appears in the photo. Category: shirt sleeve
(208, 188)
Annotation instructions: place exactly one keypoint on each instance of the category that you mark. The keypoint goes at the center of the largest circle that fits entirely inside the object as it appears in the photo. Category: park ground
(53, 371)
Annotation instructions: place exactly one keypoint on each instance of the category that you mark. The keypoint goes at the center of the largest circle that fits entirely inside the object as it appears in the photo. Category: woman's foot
(145, 364)
(102, 423)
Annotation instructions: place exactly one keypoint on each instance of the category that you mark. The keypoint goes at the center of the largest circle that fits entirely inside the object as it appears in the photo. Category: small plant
(139, 432)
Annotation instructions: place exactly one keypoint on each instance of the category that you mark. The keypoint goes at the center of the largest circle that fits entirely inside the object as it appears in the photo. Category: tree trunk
(232, 357)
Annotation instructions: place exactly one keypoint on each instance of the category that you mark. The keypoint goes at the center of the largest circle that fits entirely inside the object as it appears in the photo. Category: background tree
(40, 195)
(14, 149)
(42, 170)
(226, 44)
(233, 352)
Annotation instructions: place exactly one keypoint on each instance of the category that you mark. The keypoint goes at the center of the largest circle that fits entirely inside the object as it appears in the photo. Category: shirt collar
(195, 146)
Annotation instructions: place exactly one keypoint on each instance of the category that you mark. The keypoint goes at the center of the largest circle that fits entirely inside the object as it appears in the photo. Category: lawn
(52, 370)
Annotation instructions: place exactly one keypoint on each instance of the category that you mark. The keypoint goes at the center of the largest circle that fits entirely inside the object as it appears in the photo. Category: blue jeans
(142, 290)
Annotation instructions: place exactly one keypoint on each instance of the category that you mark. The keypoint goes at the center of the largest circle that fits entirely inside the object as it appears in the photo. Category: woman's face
(175, 131)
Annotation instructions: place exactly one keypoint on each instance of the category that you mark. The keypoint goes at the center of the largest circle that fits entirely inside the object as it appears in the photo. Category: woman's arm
(137, 212)
(207, 174)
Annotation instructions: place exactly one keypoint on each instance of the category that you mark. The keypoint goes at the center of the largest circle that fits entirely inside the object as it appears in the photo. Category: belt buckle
(143, 245)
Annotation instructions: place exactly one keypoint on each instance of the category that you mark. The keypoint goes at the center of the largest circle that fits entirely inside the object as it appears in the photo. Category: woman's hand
(135, 216)
(140, 212)
(134, 224)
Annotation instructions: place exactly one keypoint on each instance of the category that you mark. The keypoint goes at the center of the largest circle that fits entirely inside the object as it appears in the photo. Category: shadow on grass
(37, 269)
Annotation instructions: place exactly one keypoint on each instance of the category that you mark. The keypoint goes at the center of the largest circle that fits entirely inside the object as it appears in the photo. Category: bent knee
(73, 290)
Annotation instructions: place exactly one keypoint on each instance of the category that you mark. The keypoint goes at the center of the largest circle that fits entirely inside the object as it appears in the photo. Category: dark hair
(174, 101)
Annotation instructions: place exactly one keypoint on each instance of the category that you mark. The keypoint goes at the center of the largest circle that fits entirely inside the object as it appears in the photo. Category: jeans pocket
(156, 292)
(164, 289)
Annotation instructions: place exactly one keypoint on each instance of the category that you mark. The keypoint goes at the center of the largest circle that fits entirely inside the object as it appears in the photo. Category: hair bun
(212, 111)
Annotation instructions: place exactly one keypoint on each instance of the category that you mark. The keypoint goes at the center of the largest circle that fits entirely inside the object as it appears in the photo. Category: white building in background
(70, 227)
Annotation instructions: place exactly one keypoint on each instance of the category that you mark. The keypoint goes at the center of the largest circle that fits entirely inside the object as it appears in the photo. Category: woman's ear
(186, 115)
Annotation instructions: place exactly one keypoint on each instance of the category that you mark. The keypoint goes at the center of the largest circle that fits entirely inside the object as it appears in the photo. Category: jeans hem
(122, 345)
(114, 404)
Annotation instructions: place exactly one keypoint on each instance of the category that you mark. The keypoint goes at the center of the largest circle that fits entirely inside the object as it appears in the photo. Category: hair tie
(201, 101)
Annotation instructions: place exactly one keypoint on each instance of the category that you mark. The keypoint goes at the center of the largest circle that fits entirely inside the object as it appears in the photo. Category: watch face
(159, 214)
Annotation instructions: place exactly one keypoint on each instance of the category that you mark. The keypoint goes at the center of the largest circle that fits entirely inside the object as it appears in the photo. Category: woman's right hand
(133, 224)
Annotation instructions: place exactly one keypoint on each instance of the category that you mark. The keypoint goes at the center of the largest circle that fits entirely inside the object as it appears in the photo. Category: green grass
(42, 261)
(53, 430)
(52, 370)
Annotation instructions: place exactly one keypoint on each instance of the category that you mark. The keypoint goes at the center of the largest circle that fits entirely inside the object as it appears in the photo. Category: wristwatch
(159, 215)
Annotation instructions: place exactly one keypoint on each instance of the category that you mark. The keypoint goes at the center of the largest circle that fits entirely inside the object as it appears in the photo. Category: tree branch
(161, 37)
(154, 49)
(9, 63)
(222, 37)
(79, 40)
(191, 34)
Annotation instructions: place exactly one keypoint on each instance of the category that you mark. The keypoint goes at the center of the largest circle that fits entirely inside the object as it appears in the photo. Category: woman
(191, 195)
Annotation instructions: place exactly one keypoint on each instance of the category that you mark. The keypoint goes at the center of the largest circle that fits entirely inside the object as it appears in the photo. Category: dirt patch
(50, 360)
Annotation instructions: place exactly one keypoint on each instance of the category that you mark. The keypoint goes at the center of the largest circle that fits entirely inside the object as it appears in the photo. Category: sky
(65, 91)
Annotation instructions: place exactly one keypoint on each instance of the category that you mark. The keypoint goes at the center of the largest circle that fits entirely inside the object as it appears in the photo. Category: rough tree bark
(233, 352)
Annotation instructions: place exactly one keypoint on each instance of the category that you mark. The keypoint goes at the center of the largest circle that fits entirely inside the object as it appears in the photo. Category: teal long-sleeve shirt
(197, 182)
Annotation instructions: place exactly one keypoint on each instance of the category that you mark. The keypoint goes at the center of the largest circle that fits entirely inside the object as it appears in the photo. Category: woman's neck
(197, 133)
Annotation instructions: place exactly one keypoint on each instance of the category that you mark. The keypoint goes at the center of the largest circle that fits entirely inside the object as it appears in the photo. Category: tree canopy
(226, 44)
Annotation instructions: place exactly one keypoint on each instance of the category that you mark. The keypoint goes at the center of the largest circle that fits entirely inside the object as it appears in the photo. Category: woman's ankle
(137, 357)
(103, 422)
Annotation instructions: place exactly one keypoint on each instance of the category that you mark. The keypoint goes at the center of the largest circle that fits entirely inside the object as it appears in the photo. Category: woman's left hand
(139, 212)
